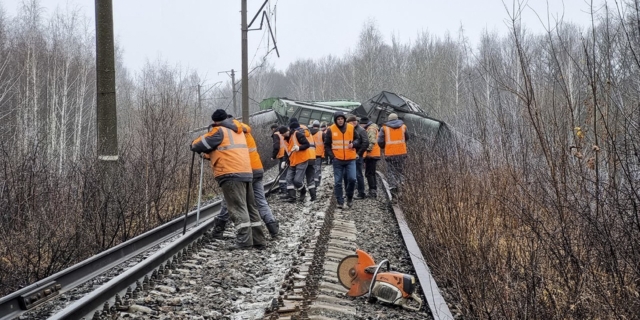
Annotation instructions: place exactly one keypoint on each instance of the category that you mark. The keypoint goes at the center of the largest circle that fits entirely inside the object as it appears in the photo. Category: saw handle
(415, 297)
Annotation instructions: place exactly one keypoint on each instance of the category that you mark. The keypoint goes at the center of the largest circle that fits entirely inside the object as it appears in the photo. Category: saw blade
(347, 270)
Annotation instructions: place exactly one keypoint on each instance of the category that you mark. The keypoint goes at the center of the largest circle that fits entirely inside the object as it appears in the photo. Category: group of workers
(348, 145)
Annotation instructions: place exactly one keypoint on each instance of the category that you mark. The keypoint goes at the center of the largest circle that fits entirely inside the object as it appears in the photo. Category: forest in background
(542, 223)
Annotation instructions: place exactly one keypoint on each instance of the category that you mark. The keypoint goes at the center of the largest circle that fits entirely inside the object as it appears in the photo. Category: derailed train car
(436, 133)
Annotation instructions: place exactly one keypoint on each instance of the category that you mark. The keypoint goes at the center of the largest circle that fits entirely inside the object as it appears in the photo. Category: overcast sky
(205, 34)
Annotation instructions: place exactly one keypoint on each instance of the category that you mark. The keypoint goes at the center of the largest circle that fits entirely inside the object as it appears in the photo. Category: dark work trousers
(261, 201)
(344, 170)
(360, 176)
(283, 177)
(310, 174)
(296, 175)
(244, 214)
(396, 168)
(370, 173)
(318, 170)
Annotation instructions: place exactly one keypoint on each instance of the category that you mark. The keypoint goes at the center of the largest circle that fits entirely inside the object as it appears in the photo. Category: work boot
(234, 247)
(349, 202)
(312, 193)
(360, 196)
(218, 228)
(372, 194)
(259, 247)
(339, 206)
(273, 228)
(292, 196)
(303, 193)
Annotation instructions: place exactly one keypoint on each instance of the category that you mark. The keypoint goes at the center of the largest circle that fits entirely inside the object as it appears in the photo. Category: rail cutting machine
(360, 274)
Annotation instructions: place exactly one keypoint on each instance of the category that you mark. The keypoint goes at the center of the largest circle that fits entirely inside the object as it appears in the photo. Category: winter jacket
(328, 136)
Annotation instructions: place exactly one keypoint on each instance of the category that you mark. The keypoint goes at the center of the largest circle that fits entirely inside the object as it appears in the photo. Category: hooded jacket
(394, 124)
(328, 135)
(362, 141)
(223, 162)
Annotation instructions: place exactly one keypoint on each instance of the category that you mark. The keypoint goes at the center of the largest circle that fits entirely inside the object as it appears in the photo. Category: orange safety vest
(231, 156)
(395, 145)
(296, 157)
(256, 164)
(375, 152)
(283, 146)
(340, 142)
(312, 143)
(319, 141)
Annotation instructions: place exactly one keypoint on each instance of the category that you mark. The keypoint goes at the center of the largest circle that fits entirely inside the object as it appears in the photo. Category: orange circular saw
(360, 274)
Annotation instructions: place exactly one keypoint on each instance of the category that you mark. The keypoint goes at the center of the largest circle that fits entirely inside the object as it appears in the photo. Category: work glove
(283, 164)
(295, 148)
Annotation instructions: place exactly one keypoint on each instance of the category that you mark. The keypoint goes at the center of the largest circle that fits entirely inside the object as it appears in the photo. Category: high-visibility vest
(375, 152)
(318, 138)
(254, 156)
(395, 145)
(296, 157)
(340, 142)
(283, 146)
(312, 143)
(231, 156)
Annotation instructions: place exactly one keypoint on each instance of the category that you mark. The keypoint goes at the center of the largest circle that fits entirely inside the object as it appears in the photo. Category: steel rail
(67, 279)
(437, 304)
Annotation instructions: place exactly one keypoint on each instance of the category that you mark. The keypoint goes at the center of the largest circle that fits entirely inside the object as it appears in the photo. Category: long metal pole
(245, 65)
(200, 191)
(186, 206)
(106, 116)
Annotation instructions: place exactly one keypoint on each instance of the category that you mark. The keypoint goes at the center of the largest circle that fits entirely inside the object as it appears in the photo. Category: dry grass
(510, 250)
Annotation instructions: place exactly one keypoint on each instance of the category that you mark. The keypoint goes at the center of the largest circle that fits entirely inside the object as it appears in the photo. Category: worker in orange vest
(339, 142)
(227, 149)
(258, 190)
(360, 150)
(297, 145)
(372, 155)
(392, 139)
(318, 137)
(279, 152)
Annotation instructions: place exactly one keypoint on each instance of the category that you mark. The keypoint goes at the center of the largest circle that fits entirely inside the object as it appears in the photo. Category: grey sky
(205, 35)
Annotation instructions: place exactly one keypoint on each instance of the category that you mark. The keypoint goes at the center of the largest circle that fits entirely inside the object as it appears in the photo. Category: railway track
(295, 278)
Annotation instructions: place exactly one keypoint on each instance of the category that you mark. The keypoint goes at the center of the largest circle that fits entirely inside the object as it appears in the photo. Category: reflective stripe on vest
(319, 141)
(340, 142)
(256, 164)
(395, 144)
(232, 155)
(296, 157)
(375, 151)
(283, 146)
(312, 144)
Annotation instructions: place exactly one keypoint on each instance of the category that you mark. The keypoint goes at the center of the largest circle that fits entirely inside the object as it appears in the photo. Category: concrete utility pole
(107, 120)
(245, 65)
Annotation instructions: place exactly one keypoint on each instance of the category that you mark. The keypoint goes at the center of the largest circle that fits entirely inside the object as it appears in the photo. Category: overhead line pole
(233, 89)
(245, 64)
(106, 115)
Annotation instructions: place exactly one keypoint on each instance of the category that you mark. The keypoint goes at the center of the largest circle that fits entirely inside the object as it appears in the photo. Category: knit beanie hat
(351, 118)
(316, 123)
(393, 116)
(364, 120)
(219, 115)
(292, 120)
(294, 125)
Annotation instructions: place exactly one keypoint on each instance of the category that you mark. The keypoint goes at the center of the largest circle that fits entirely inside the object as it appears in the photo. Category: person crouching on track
(372, 155)
(258, 190)
(297, 145)
(279, 152)
(318, 138)
(393, 140)
(338, 142)
(230, 161)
